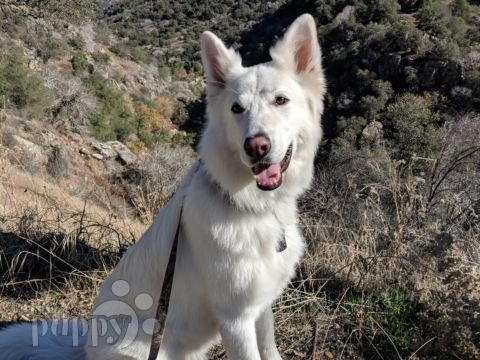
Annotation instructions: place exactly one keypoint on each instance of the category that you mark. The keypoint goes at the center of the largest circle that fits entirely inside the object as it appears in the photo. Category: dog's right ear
(299, 49)
(217, 61)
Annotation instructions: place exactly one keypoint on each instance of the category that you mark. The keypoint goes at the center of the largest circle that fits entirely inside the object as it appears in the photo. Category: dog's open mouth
(269, 176)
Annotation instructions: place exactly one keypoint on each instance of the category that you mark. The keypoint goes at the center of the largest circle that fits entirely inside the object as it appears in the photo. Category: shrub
(461, 8)
(77, 42)
(79, 62)
(163, 70)
(139, 54)
(76, 11)
(22, 88)
(101, 57)
(370, 106)
(445, 50)
(415, 126)
(155, 177)
(164, 105)
(74, 104)
(58, 162)
(377, 10)
(433, 17)
(402, 36)
(410, 77)
(114, 118)
(152, 118)
(46, 44)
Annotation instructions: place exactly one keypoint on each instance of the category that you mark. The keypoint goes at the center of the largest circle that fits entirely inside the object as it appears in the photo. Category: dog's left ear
(218, 61)
(299, 49)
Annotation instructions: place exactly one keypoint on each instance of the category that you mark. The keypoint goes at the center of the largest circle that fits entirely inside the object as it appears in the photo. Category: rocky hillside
(101, 102)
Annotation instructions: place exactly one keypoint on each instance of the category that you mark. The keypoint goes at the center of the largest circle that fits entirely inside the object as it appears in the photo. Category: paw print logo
(116, 322)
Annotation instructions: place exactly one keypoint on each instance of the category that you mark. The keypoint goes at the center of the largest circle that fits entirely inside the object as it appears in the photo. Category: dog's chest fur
(236, 254)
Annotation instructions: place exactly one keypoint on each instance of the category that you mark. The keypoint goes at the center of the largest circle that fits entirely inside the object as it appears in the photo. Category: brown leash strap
(164, 300)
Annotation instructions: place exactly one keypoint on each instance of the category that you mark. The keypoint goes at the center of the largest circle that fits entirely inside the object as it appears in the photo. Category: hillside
(101, 104)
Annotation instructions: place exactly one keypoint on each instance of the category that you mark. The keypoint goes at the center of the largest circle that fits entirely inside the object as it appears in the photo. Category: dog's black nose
(257, 146)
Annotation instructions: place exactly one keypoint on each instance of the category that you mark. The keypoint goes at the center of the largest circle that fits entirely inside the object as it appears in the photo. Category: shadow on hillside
(33, 264)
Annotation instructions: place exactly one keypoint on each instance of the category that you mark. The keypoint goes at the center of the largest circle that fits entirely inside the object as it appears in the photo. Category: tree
(414, 125)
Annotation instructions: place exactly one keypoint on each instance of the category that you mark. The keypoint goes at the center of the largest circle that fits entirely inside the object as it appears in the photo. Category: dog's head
(269, 114)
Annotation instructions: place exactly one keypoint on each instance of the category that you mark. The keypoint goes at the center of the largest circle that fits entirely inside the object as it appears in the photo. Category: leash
(164, 301)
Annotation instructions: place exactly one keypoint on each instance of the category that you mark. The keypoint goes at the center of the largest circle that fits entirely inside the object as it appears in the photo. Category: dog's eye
(281, 100)
(237, 109)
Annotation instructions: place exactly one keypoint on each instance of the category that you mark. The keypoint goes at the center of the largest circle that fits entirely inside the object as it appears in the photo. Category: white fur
(228, 272)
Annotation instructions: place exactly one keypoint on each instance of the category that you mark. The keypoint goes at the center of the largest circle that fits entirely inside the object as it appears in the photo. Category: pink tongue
(269, 175)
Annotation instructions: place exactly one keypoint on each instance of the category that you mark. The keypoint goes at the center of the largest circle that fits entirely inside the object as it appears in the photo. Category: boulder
(123, 153)
(34, 152)
(105, 150)
(372, 133)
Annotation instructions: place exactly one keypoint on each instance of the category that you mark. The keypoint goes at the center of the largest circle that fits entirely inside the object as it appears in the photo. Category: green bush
(139, 54)
(79, 62)
(114, 119)
(74, 11)
(101, 57)
(445, 50)
(415, 126)
(433, 17)
(77, 42)
(163, 70)
(403, 36)
(385, 319)
(461, 8)
(22, 88)
(47, 47)
(377, 10)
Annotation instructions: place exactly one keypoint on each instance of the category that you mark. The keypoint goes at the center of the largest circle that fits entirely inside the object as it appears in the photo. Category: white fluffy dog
(239, 240)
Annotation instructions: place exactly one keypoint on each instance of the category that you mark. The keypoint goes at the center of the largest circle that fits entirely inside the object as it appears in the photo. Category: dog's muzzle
(269, 176)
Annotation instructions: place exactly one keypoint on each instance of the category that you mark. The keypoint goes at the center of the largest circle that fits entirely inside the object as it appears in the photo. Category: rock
(83, 151)
(372, 133)
(344, 101)
(33, 151)
(105, 150)
(132, 138)
(328, 354)
(347, 12)
(97, 156)
(123, 153)
(461, 94)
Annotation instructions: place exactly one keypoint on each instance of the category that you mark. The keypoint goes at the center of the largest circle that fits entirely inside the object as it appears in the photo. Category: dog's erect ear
(299, 49)
(218, 61)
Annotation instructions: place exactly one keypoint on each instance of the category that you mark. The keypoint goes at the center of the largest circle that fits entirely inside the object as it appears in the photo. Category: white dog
(238, 211)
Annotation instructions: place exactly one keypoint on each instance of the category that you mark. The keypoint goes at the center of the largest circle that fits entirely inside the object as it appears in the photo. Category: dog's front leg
(239, 339)
(266, 336)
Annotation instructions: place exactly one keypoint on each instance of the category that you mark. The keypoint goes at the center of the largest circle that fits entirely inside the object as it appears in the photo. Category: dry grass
(154, 178)
(55, 246)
